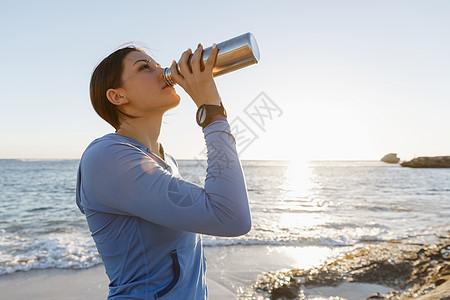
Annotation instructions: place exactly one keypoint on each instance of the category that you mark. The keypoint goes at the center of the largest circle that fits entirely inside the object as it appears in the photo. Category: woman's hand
(198, 83)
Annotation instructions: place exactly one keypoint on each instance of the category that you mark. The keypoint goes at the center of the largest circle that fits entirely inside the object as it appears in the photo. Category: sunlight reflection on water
(303, 257)
(298, 180)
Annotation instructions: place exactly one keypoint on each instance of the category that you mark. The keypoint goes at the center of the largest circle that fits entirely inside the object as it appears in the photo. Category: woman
(145, 219)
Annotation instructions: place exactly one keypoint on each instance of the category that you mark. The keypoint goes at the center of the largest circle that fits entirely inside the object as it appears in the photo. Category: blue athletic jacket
(146, 220)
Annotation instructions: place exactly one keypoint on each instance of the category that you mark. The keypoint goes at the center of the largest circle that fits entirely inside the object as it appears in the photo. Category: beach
(232, 273)
(319, 230)
(230, 270)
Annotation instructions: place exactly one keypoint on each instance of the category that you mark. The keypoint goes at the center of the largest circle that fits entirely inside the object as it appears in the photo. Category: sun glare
(298, 179)
(304, 257)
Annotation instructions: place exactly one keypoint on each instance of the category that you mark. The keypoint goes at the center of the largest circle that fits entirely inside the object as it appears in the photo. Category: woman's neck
(144, 129)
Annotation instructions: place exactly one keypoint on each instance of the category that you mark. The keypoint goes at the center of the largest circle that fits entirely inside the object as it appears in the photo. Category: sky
(336, 80)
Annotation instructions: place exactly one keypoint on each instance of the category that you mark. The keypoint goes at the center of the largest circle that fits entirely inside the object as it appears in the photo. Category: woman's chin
(177, 100)
(173, 102)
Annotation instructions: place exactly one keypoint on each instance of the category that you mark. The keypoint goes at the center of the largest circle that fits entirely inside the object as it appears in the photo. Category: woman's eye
(144, 67)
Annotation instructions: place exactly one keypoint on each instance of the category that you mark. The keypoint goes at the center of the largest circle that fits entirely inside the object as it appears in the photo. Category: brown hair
(108, 75)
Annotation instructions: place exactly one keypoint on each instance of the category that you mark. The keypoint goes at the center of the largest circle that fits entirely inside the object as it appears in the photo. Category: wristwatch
(206, 112)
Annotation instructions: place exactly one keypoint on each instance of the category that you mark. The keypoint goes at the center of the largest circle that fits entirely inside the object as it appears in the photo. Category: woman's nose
(161, 73)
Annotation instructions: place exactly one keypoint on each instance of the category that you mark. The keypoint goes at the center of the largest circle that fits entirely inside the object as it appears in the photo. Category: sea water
(320, 203)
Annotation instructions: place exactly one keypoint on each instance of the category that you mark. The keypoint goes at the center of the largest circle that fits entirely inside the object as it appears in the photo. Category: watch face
(202, 116)
(205, 112)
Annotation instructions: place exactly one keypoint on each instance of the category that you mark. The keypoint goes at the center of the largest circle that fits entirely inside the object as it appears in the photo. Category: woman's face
(144, 87)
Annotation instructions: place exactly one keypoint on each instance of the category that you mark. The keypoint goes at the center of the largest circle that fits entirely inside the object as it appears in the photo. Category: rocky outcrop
(390, 158)
(409, 270)
(428, 162)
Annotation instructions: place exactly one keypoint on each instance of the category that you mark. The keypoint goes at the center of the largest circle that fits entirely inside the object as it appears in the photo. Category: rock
(287, 291)
(377, 296)
(390, 158)
(428, 162)
(412, 271)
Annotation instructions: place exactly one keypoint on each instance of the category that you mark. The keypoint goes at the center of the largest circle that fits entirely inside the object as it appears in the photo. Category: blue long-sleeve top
(146, 220)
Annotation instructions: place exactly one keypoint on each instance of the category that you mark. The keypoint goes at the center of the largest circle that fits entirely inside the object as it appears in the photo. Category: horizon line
(194, 159)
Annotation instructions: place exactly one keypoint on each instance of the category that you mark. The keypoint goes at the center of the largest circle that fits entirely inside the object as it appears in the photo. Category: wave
(56, 250)
(77, 250)
(339, 241)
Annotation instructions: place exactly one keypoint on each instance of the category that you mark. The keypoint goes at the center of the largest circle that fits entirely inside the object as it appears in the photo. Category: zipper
(145, 149)
(151, 153)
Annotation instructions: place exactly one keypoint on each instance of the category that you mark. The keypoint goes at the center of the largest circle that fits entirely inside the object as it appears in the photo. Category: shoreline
(231, 272)
(240, 272)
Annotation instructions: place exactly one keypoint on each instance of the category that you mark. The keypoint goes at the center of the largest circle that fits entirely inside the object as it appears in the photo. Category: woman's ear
(116, 97)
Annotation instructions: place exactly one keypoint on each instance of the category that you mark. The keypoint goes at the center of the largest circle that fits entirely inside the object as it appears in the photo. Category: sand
(230, 270)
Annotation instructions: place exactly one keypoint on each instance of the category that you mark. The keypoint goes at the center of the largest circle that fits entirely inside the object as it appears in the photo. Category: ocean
(319, 203)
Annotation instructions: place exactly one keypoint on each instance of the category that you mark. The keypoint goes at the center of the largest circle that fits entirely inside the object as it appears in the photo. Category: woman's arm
(121, 179)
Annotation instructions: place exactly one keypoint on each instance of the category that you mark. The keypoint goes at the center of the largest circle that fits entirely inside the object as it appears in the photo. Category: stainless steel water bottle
(234, 54)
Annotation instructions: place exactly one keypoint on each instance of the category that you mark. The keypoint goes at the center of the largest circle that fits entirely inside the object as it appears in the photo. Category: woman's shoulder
(116, 139)
(109, 145)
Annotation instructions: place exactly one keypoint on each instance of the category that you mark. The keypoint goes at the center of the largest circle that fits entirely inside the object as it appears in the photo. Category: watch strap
(212, 112)
(216, 118)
